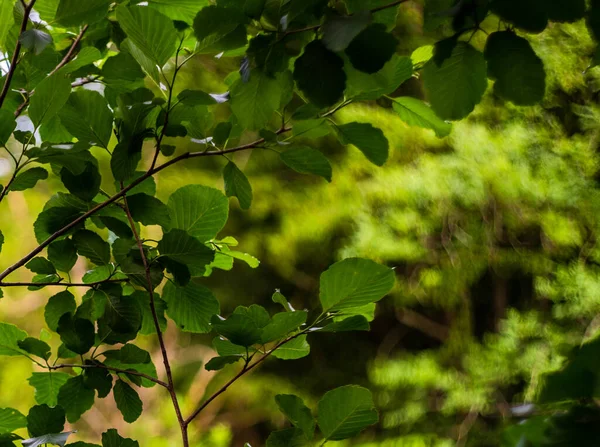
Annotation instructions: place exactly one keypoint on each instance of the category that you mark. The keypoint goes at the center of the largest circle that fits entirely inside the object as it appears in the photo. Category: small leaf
(35, 347)
(75, 398)
(92, 246)
(98, 379)
(77, 334)
(148, 210)
(111, 438)
(354, 282)
(323, 87)
(346, 411)
(128, 402)
(339, 31)
(185, 249)
(529, 15)
(372, 48)
(47, 385)
(238, 329)
(282, 324)
(62, 254)
(41, 266)
(280, 299)
(11, 420)
(192, 98)
(28, 179)
(307, 160)
(191, 307)
(289, 437)
(42, 420)
(237, 185)
(354, 323)
(370, 140)
(7, 121)
(217, 363)
(415, 112)
(219, 29)
(226, 349)
(297, 413)
(35, 40)
(58, 305)
(294, 349)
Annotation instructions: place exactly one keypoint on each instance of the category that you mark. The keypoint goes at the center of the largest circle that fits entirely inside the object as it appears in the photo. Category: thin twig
(161, 342)
(110, 368)
(15, 57)
(71, 53)
(59, 283)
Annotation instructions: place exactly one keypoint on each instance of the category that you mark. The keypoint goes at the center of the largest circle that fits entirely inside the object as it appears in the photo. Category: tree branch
(59, 283)
(15, 56)
(244, 370)
(110, 368)
(161, 342)
(70, 54)
(420, 322)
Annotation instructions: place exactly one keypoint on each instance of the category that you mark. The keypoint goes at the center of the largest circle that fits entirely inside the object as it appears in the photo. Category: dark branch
(71, 53)
(59, 283)
(109, 368)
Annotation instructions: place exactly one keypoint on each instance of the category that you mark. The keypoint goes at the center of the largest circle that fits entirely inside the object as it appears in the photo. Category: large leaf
(62, 254)
(346, 411)
(7, 119)
(49, 98)
(370, 140)
(306, 160)
(254, 102)
(42, 420)
(87, 117)
(339, 31)
(297, 413)
(47, 385)
(10, 335)
(238, 328)
(183, 10)
(518, 71)
(191, 307)
(128, 402)
(35, 347)
(152, 32)
(415, 112)
(148, 210)
(456, 85)
(92, 246)
(10, 420)
(372, 48)
(58, 305)
(282, 324)
(219, 29)
(530, 15)
(217, 363)
(294, 349)
(185, 249)
(76, 398)
(199, 210)
(364, 86)
(77, 334)
(85, 185)
(354, 282)
(325, 86)
(76, 13)
(237, 185)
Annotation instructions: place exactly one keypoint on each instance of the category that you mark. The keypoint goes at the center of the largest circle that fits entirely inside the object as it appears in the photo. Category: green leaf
(238, 329)
(148, 210)
(50, 439)
(455, 86)
(28, 179)
(143, 300)
(183, 10)
(35, 347)
(237, 185)
(53, 219)
(63, 254)
(306, 160)
(294, 349)
(50, 97)
(122, 69)
(364, 86)
(346, 411)
(199, 210)
(111, 438)
(192, 98)
(289, 437)
(47, 385)
(326, 86)
(354, 323)
(280, 299)
(415, 112)
(77, 334)
(72, 13)
(370, 140)
(122, 317)
(255, 101)
(87, 117)
(518, 71)
(6, 21)
(10, 335)
(92, 246)
(7, 118)
(529, 15)
(42, 420)
(75, 398)
(372, 48)
(226, 349)
(11, 419)
(128, 402)
(85, 185)
(86, 56)
(354, 282)
(41, 266)
(191, 307)
(185, 249)
(152, 32)
(217, 363)
(35, 40)
(58, 305)
(98, 379)
(297, 413)
(125, 158)
(282, 324)
(219, 29)
(339, 31)
(565, 10)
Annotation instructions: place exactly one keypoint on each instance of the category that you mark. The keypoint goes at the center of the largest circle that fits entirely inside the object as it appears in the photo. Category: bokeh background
(493, 233)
